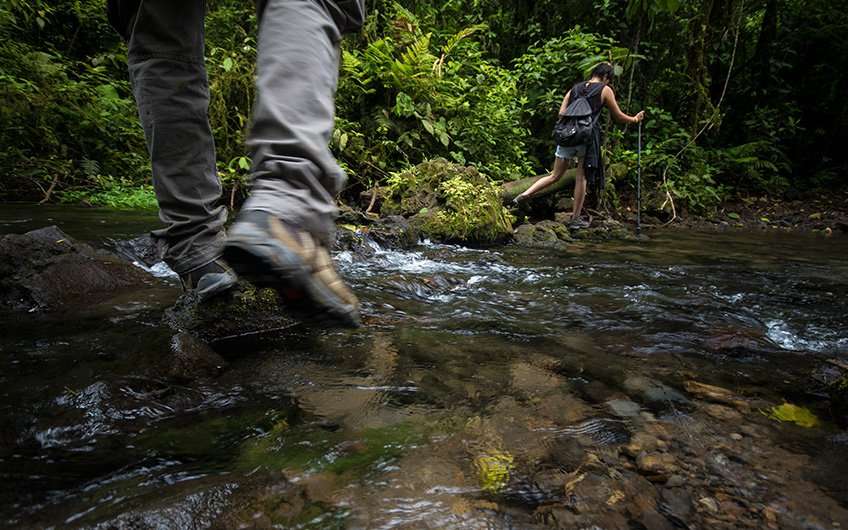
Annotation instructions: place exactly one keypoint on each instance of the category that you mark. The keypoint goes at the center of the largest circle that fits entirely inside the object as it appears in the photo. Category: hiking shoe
(578, 224)
(209, 280)
(269, 253)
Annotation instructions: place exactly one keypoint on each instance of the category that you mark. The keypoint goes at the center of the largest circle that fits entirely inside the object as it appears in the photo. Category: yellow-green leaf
(494, 469)
(793, 413)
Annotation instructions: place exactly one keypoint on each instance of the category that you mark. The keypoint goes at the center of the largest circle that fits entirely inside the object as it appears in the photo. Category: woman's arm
(608, 99)
(565, 102)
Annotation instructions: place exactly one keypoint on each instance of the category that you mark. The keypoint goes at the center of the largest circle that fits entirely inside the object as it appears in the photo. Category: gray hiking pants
(294, 174)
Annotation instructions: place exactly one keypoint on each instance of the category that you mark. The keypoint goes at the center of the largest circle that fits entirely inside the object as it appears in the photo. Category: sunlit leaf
(788, 412)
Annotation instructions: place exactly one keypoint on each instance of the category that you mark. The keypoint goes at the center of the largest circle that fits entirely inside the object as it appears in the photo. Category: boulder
(48, 270)
(538, 236)
(449, 202)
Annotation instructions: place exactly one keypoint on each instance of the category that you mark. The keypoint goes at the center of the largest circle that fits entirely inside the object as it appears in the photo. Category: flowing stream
(482, 386)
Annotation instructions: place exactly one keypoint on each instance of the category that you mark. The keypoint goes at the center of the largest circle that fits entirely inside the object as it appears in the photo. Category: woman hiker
(587, 157)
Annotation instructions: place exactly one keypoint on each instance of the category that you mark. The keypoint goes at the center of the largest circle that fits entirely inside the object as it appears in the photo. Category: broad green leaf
(227, 65)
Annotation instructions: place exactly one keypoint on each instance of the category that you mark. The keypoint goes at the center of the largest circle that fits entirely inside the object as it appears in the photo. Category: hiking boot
(209, 280)
(269, 253)
(578, 224)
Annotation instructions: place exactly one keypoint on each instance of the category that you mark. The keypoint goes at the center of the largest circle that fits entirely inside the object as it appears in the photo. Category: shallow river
(491, 388)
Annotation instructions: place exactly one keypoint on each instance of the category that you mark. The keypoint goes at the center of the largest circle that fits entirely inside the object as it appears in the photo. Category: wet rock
(657, 465)
(624, 408)
(557, 228)
(533, 236)
(720, 412)
(395, 232)
(243, 312)
(653, 391)
(737, 340)
(716, 394)
(640, 496)
(585, 492)
(564, 409)
(566, 454)
(602, 230)
(675, 481)
(48, 270)
(676, 503)
(143, 249)
(709, 504)
(639, 443)
(655, 521)
(193, 359)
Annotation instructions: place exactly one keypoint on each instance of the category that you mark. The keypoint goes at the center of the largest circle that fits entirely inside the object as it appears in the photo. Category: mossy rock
(243, 311)
(559, 229)
(449, 202)
(538, 236)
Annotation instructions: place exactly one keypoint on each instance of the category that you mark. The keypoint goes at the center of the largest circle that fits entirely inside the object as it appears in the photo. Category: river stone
(640, 442)
(656, 464)
(720, 412)
(677, 503)
(243, 312)
(716, 394)
(624, 408)
(653, 391)
(534, 236)
(557, 228)
(193, 359)
(48, 270)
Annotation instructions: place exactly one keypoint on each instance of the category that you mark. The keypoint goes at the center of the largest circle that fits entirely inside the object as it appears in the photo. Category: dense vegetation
(743, 96)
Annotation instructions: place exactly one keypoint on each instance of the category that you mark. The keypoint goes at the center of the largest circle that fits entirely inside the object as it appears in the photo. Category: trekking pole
(639, 183)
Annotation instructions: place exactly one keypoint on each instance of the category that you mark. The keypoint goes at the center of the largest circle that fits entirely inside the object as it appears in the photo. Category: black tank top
(591, 91)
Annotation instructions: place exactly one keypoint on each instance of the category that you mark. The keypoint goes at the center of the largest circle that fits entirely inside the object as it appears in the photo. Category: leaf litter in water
(793, 413)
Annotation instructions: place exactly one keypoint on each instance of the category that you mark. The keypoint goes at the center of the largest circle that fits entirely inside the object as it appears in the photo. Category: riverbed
(488, 388)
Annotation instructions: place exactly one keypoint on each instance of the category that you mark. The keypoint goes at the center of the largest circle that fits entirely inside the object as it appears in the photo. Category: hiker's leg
(560, 166)
(282, 234)
(579, 190)
(166, 66)
(295, 176)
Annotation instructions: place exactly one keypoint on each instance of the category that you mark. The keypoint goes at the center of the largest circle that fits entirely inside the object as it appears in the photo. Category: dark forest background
(744, 97)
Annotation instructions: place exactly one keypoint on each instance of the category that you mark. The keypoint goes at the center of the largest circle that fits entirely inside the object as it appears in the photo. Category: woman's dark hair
(604, 71)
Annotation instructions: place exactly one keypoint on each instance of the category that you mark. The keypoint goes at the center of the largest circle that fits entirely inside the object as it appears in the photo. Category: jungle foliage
(742, 96)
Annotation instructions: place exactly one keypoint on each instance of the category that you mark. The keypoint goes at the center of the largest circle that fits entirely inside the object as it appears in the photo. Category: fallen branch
(374, 191)
(49, 191)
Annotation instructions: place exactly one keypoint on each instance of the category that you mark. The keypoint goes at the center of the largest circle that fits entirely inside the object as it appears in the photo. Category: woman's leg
(560, 165)
(579, 190)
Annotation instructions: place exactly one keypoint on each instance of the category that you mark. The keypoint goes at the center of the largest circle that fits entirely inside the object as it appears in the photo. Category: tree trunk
(696, 63)
(768, 34)
(511, 190)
